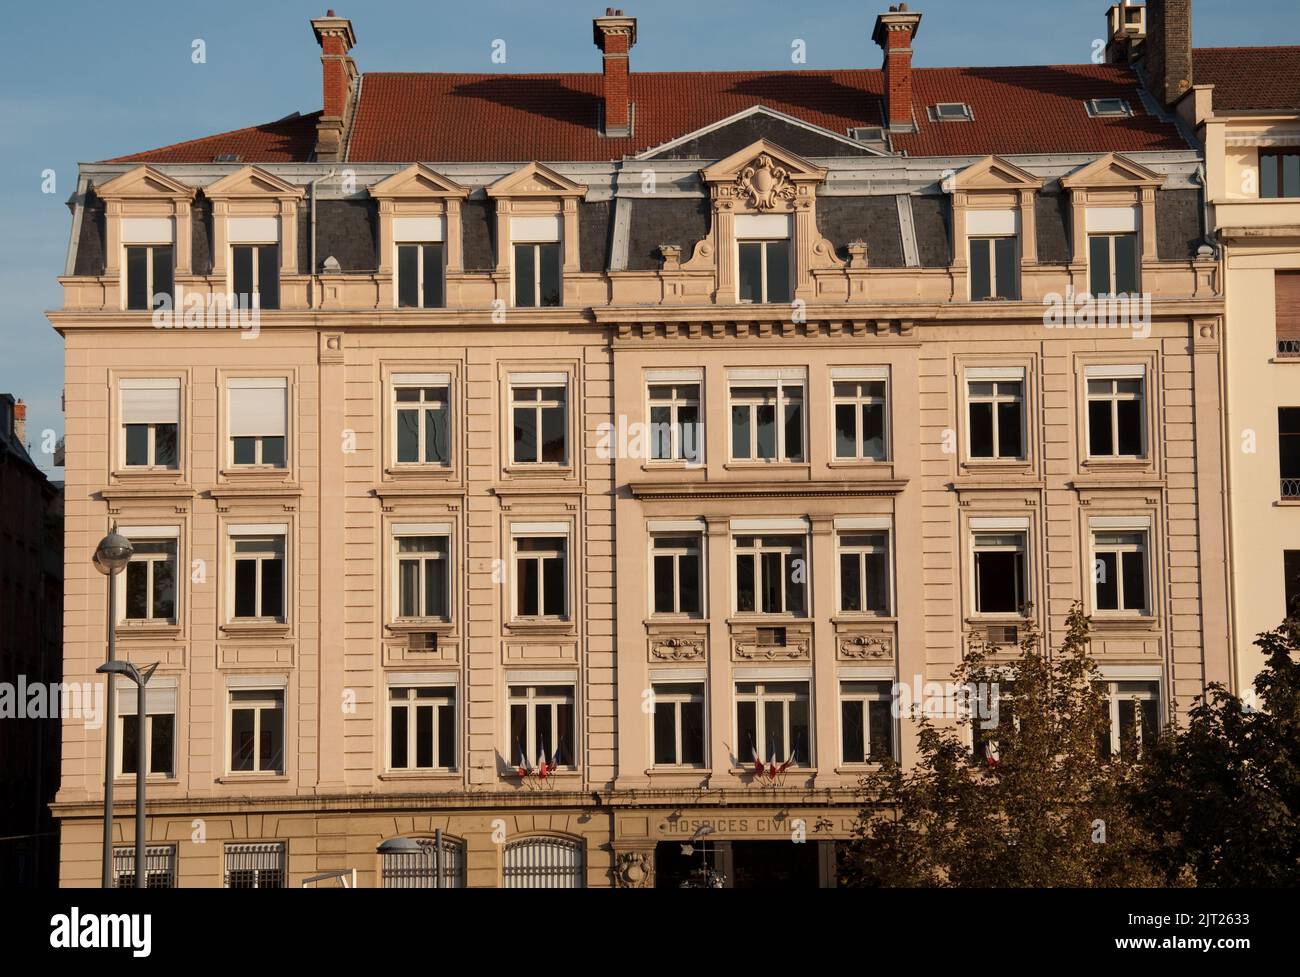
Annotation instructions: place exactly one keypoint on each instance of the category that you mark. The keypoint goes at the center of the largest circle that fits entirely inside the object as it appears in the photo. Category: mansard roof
(410, 117)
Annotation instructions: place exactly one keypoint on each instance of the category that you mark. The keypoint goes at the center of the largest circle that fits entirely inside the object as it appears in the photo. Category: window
(1286, 307)
(419, 870)
(256, 270)
(767, 421)
(258, 578)
(994, 268)
(771, 575)
(149, 276)
(542, 725)
(258, 421)
(159, 729)
(422, 728)
(999, 572)
(951, 112)
(1120, 571)
(255, 866)
(1288, 446)
(772, 722)
(987, 746)
(866, 722)
(1279, 173)
(423, 419)
(540, 423)
(419, 276)
(159, 867)
(544, 863)
(537, 274)
(679, 725)
(676, 433)
(1116, 417)
(257, 731)
(1291, 581)
(541, 577)
(1134, 717)
(151, 412)
(422, 577)
(1112, 264)
(764, 271)
(677, 575)
(149, 582)
(1103, 107)
(860, 412)
(996, 409)
(864, 572)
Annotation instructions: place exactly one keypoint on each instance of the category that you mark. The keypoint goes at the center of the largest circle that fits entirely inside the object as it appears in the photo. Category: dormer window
(763, 258)
(951, 112)
(255, 272)
(148, 276)
(1108, 107)
(537, 274)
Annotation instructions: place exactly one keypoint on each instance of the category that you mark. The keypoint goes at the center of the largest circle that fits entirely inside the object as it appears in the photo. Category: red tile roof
(285, 141)
(494, 117)
(1250, 77)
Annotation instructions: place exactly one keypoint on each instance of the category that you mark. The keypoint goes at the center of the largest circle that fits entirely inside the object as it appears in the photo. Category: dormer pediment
(535, 180)
(417, 182)
(251, 181)
(1112, 171)
(144, 182)
(763, 177)
(993, 173)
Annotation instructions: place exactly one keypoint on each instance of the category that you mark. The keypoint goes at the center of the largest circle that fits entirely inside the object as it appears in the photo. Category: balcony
(1288, 349)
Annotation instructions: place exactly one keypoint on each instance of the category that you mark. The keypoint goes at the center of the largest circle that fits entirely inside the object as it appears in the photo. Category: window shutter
(258, 407)
(1286, 284)
(151, 401)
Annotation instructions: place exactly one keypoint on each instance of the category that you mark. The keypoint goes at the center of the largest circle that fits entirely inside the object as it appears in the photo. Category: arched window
(419, 870)
(544, 863)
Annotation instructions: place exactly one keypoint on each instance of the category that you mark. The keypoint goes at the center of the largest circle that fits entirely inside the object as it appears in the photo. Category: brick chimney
(339, 71)
(20, 423)
(1126, 29)
(615, 34)
(894, 32)
(1168, 49)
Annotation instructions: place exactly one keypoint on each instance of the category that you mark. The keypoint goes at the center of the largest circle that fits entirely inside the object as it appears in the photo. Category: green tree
(1038, 803)
(1222, 797)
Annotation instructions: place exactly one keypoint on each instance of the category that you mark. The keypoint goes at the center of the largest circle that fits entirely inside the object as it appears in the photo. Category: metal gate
(544, 863)
(418, 870)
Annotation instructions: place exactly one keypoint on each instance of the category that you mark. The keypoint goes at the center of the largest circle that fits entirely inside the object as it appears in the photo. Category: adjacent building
(601, 452)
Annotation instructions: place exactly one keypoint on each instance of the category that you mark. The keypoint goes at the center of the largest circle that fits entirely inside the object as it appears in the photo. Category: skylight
(951, 112)
(1103, 107)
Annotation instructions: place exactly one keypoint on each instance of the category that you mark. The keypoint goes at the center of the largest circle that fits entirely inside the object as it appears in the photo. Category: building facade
(587, 480)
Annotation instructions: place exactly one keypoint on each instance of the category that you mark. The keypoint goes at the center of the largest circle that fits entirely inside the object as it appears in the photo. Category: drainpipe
(312, 187)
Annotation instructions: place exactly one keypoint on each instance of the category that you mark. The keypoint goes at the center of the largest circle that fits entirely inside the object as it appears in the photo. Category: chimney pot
(615, 34)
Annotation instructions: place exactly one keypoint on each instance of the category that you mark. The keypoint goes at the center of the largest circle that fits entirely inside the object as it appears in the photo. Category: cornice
(768, 489)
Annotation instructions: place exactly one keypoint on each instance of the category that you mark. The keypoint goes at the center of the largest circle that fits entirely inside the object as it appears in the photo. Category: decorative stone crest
(764, 183)
(867, 646)
(676, 649)
(633, 870)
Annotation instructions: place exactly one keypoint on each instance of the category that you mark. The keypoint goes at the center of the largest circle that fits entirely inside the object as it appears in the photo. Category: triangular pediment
(1113, 170)
(993, 173)
(726, 136)
(250, 181)
(535, 180)
(143, 182)
(763, 155)
(417, 181)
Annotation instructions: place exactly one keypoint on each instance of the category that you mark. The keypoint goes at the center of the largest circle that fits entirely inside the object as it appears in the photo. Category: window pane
(130, 743)
(740, 432)
(564, 735)
(433, 276)
(882, 729)
(997, 589)
(981, 430)
(773, 746)
(137, 591)
(751, 272)
(271, 754)
(241, 739)
(1007, 272)
(544, 744)
(688, 433)
(873, 431)
(408, 573)
(1100, 441)
(1135, 584)
(162, 274)
(164, 588)
(1291, 175)
(242, 273)
(688, 573)
(245, 451)
(268, 276)
(663, 584)
(245, 588)
(665, 728)
(519, 733)
(273, 452)
(1009, 430)
(137, 280)
(553, 586)
(162, 730)
(1291, 584)
(447, 737)
(693, 731)
(850, 582)
(424, 736)
(397, 737)
(408, 271)
(799, 747)
(553, 434)
(796, 573)
(744, 582)
(766, 414)
(272, 588)
(980, 284)
(408, 436)
(778, 271)
(661, 433)
(794, 430)
(550, 257)
(1126, 263)
(772, 583)
(137, 444)
(1107, 580)
(1099, 265)
(1130, 427)
(164, 445)
(852, 732)
(878, 582)
(527, 574)
(435, 588)
(525, 435)
(846, 431)
(525, 276)
(747, 746)
(1268, 171)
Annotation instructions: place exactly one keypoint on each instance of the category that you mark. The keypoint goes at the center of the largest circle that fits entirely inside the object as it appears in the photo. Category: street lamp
(111, 555)
(140, 676)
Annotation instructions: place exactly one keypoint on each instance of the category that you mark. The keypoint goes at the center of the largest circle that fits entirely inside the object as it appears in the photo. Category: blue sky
(85, 84)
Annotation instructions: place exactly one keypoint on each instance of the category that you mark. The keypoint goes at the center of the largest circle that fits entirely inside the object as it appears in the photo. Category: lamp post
(140, 676)
(111, 555)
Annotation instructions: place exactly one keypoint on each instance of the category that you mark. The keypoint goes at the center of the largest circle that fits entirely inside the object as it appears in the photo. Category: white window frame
(675, 701)
(160, 534)
(561, 532)
(269, 702)
(162, 383)
(996, 398)
(1114, 266)
(862, 698)
(845, 530)
(1113, 698)
(678, 553)
(1114, 377)
(536, 247)
(858, 400)
(435, 532)
(764, 244)
(993, 266)
(125, 264)
(531, 700)
(419, 273)
(411, 702)
(780, 385)
(674, 404)
(257, 246)
(270, 534)
(258, 383)
(757, 552)
(123, 712)
(538, 406)
(976, 536)
(417, 382)
(761, 696)
(1142, 532)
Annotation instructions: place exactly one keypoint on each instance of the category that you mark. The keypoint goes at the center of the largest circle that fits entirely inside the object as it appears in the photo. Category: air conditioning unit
(422, 641)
